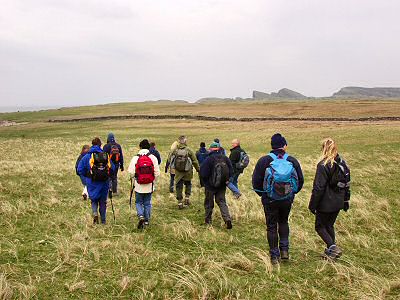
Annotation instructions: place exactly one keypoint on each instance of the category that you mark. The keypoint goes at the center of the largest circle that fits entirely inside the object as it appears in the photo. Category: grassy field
(49, 248)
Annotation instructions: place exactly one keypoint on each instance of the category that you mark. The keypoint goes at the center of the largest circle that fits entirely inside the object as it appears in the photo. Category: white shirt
(149, 187)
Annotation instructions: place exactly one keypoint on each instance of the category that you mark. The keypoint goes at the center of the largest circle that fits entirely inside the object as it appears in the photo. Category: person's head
(214, 146)
(96, 142)
(182, 139)
(85, 149)
(329, 151)
(278, 142)
(110, 138)
(202, 145)
(235, 143)
(144, 144)
(217, 140)
(152, 144)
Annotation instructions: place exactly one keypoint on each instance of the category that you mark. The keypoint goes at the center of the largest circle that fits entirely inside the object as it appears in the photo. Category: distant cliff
(281, 94)
(376, 92)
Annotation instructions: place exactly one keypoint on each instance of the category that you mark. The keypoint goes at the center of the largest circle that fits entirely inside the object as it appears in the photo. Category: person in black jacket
(330, 194)
(207, 169)
(276, 212)
(236, 152)
(120, 163)
(155, 152)
(85, 149)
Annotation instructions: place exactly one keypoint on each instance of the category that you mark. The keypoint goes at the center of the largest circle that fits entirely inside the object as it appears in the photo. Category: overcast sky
(73, 52)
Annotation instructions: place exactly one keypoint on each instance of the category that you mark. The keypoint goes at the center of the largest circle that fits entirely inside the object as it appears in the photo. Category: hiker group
(277, 178)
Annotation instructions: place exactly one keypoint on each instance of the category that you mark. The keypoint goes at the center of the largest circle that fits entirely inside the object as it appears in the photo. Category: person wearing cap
(276, 212)
(216, 160)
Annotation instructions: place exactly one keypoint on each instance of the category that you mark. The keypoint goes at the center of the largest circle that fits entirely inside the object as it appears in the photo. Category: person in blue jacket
(118, 162)
(276, 211)
(155, 152)
(201, 156)
(84, 150)
(97, 190)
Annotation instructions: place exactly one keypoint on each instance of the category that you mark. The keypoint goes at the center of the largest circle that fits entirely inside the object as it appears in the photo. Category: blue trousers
(100, 205)
(143, 205)
(233, 184)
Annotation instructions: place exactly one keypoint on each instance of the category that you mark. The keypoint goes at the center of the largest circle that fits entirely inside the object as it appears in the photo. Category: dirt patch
(7, 123)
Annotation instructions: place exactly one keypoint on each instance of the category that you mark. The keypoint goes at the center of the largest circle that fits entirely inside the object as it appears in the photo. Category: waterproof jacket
(235, 158)
(107, 148)
(259, 173)
(155, 152)
(143, 188)
(97, 190)
(188, 175)
(77, 162)
(202, 154)
(174, 146)
(325, 198)
(207, 167)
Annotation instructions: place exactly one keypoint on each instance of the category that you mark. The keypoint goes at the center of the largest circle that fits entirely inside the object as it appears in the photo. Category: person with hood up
(144, 169)
(96, 166)
(201, 156)
(183, 160)
(114, 150)
(215, 172)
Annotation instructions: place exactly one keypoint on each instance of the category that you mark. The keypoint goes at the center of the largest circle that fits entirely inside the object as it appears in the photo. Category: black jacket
(325, 198)
(207, 167)
(235, 158)
(259, 173)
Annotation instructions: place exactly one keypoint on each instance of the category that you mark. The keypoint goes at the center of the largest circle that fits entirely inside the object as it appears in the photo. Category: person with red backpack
(114, 150)
(144, 169)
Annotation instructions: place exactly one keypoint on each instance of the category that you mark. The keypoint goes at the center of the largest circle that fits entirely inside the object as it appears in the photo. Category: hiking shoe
(208, 222)
(146, 223)
(187, 201)
(275, 261)
(84, 196)
(285, 255)
(180, 205)
(110, 194)
(171, 190)
(95, 220)
(237, 195)
(141, 223)
(335, 250)
(229, 224)
(329, 255)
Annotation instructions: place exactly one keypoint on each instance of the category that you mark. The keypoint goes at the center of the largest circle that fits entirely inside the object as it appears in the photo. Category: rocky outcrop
(376, 92)
(281, 94)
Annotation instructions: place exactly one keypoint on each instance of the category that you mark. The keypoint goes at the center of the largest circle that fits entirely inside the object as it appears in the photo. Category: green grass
(49, 249)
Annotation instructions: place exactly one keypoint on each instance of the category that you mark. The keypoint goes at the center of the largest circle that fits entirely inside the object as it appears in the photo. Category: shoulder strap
(285, 156)
(272, 155)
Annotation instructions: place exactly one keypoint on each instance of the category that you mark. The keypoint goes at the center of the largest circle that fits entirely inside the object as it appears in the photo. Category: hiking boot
(84, 196)
(110, 194)
(275, 261)
(171, 190)
(146, 223)
(237, 195)
(284, 255)
(208, 222)
(329, 255)
(141, 223)
(229, 224)
(335, 250)
(187, 201)
(180, 205)
(95, 220)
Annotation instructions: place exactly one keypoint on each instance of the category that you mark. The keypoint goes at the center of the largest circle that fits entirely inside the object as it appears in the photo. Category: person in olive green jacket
(182, 160)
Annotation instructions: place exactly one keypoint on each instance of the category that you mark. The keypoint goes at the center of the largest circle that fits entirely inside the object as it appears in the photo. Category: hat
(215, 145)
(278, 141)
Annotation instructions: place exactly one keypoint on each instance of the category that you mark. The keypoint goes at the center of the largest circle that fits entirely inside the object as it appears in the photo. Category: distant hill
(282, 94)
(376, 92)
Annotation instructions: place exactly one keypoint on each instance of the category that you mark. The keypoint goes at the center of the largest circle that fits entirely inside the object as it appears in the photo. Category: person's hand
(122, 168)
(346, 206)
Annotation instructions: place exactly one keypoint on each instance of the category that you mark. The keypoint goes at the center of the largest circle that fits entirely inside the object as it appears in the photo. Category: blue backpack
(280, 181)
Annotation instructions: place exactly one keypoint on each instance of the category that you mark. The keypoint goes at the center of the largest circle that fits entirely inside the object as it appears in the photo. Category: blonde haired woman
(330, 194)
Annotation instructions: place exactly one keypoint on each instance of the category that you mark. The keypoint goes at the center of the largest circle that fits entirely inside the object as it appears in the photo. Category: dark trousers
(114, 181)
(171, 182)
(277, 216)
(179, 189)
(324, 226)
(219, 197)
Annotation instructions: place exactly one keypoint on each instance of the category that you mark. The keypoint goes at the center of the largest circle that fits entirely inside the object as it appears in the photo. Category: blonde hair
(329, 151)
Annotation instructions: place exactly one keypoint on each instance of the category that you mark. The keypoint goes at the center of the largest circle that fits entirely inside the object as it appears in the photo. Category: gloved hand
(166, 169)
(346, 206)
(122, 168)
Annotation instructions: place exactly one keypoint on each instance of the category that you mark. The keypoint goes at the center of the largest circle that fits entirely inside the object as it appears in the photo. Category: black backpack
(340, 176)
(99, 166)
(220, 173)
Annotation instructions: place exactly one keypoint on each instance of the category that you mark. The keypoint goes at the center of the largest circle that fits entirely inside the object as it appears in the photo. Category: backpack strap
(285, 156)
(273, 156)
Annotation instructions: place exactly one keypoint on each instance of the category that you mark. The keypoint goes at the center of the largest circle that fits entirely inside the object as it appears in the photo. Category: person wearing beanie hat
(276, 211)
(115, 151)
(215, 172)
(201, 156)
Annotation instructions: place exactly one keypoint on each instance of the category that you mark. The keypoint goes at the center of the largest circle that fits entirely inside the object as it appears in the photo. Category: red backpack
(144, 173)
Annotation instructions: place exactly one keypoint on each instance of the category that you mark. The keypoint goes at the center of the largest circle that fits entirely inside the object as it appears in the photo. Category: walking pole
(112, 207)
(130, 198)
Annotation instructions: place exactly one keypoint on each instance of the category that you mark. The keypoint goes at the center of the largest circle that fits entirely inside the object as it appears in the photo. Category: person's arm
(158, 156)
(205, 168)
(319, 186)
(77, 164)
(121, 158)
(156, 166)
(132, 167)
(229, 163)
(83, 166)
(299, 172)
(195, 162)
(259, 173)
